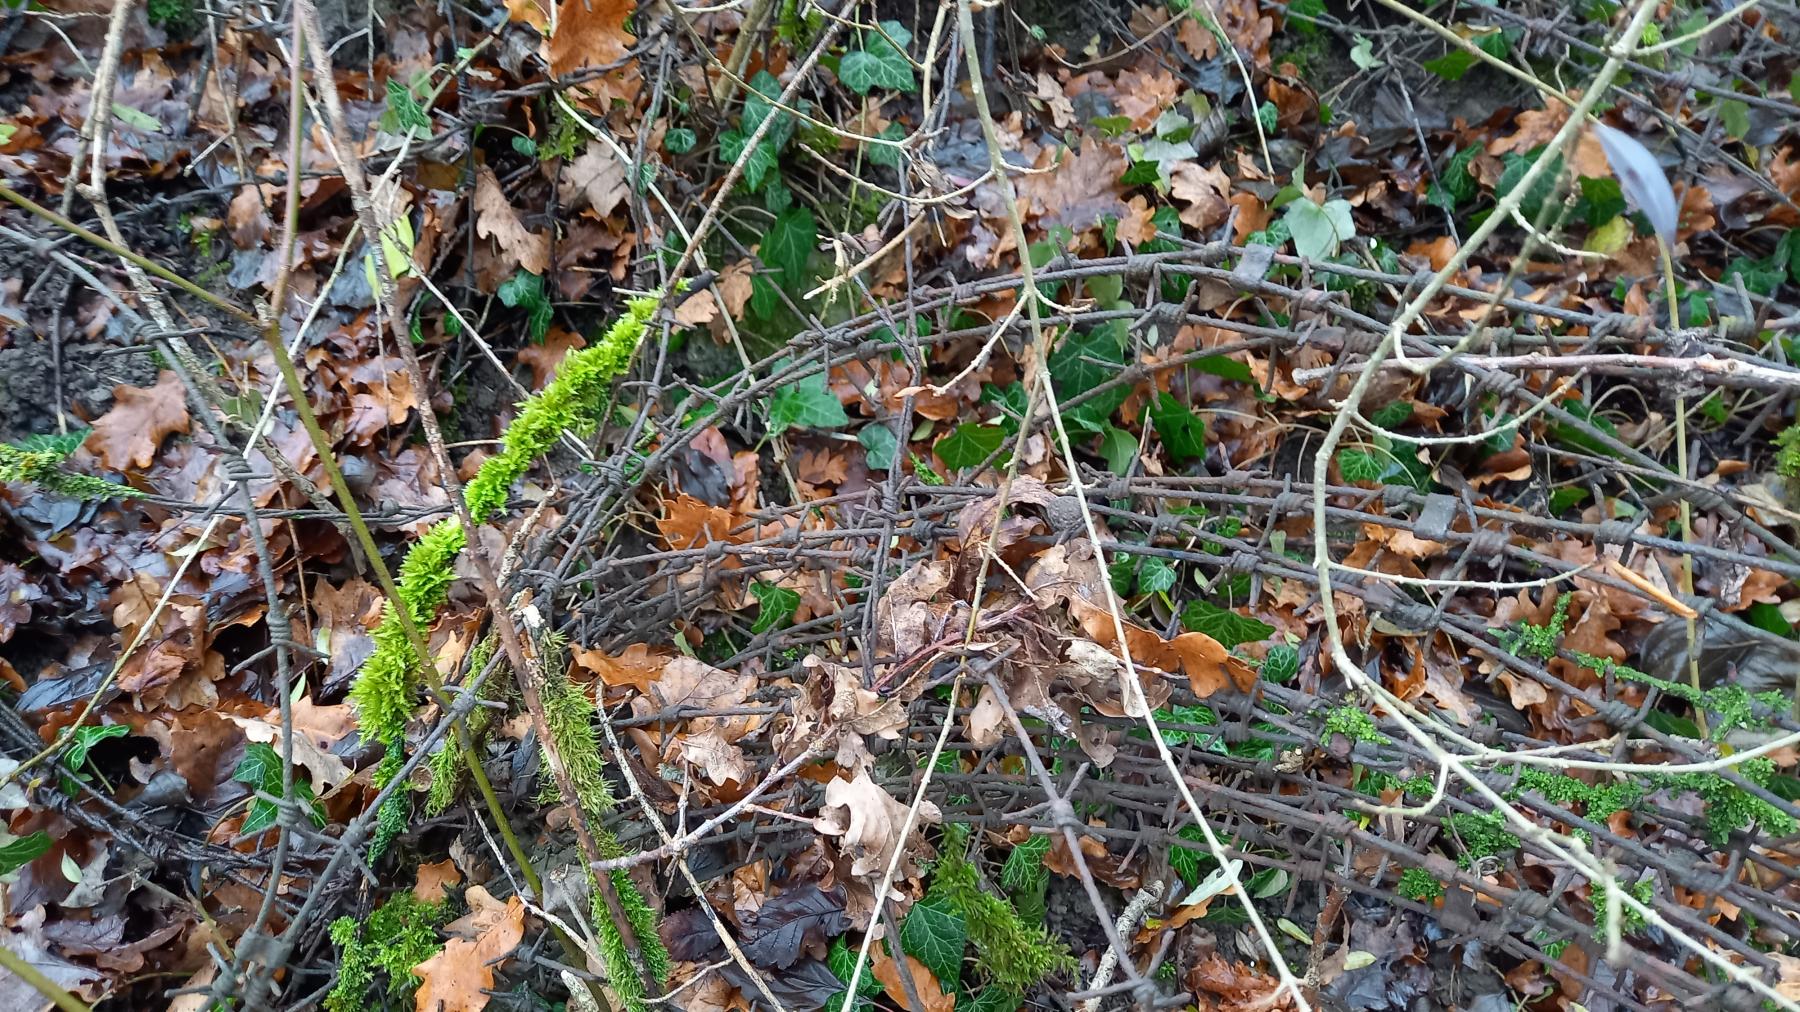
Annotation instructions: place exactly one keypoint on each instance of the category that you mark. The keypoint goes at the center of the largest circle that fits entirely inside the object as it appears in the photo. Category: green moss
(400, 934)
(1483, 835)
(1353, 724)
(1787, 452)
(1537, 641)
(1014, 955)
(1630, 921)
(43, 469)
(620, 972)
(1421, 885)
(573, 400)
(1729, 807)
(384, 689)
(570, 716)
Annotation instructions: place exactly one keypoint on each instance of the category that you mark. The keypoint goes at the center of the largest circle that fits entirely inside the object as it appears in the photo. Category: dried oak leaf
(457, 979)
(869, 820)
(595, 177)
(1204, 189)
(589, 33)
(128, 435)
(495, 219)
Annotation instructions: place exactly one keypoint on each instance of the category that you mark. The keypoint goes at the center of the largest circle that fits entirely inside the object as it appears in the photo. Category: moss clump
(1352, 724)
(1630, 921)
(384, 689)
(574, 400)
(1420, 885)
(1483, 835)
(401, 934)
(620, 972)
(1015, 956)
(43, 468)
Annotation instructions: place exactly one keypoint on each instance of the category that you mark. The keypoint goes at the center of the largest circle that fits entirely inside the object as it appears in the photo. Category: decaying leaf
(458, 978)
(868, 821)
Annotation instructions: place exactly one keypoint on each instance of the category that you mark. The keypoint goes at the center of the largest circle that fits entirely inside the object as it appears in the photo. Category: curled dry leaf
(869, 821)
(129, 434)
(495, 219)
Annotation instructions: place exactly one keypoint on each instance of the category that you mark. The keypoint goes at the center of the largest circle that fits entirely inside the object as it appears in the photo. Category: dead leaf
(589, 33)
(869, 820)
(887, 970)
(495, 219)
(434, 879)
(596, 177)
(129, 434)
(1204, 190)
(457, 979)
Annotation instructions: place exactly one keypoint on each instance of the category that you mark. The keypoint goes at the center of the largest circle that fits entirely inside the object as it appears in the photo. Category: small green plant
(1352, 724)
(1483, 835)
(1630, 921)
(1420, 885)
(1732, 707)
(400, 934)
(1537, 641)
(39, 460)
(1013, 955)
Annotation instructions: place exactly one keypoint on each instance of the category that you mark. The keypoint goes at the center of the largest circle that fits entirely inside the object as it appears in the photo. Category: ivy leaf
(1280, 664)
(679, 140)
(1392, 415)
(1010, 399)
(260, 768)
(969, 444)
(757, 166)
(1186, 860)
(1454, 64)
(1224, 625)
(788, 247)
(17, 853)
(1224, 367)
(879, 64)
(86, 738)
(1319, 229)
(759, 104)
(261, 816)
(934, 933)
(807, 404)
(1183, 434)
(1359, 465)
(879, 446)
(886, 154)
(1024, 869)
(62, 445)
(777, 605)
(1084, 360)
(1154, 575)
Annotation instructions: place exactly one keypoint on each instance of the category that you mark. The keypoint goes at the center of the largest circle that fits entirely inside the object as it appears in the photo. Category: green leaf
(1082, 361)
(1186, 860)
(1362, 53)
(1024, 870)
(969, 444)
(1360, 465)
(62, 446)
(934, 933)
(1228, 627)
(886, 154)
(1280, 664)
(1224, 367)
(6, 133)
(879, 446)
(1768, 617)
(261, 816)
(1514, 173)
(525, 145)
(777, 605)
(1010, 399)
(759, 104)
(788, 247)
(679, 140)
(879, 64)
(757, 166)
(17, 853)
(1183, 434)
(260, 768)
(1458, 184)
(1565, 497)
(1454, 64)
(992, 998)
(137, 119)
(807, 404)
(1154, 575)
(1118, 447)
(1319, 230)
(1601, 201)
(86, 738)
(403, 111)
(1392, 415)
(1735, 116)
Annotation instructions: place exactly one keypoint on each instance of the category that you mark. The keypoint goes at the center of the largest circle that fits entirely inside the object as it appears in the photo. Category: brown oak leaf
(128, 435)
(457, 979)
(495, 219)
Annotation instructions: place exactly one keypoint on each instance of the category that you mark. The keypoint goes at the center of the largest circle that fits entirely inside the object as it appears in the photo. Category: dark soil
(29, 397)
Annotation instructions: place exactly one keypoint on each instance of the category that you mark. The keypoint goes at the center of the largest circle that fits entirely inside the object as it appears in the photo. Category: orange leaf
(589, 33)
(495, 219)
(128, 435)
(458, 978)
(887, 971)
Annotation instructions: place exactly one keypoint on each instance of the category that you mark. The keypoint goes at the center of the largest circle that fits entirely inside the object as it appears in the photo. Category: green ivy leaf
(1010, 399)
(62, 445)
(1457, 62)
(879, 64)
(260, 768)
(1082, 361)
(17, 853)
(808, 404)
(934, 933)
(1735, 116)
(777, 605)
(1224, 367)
(86, 738)
(1154, 575)
(788, 247)
(879, 446)
(1280, 664)
(886, 154)
(969, 444)
(1566, 497)
(1360, 465)
(1024, 870)
(261, 816)
(1392, 415)
(1319, 229)
(1186, 860)
(1183, 434)
(679, 140)
(525, 145)
(757, 166)
(1228, 627)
